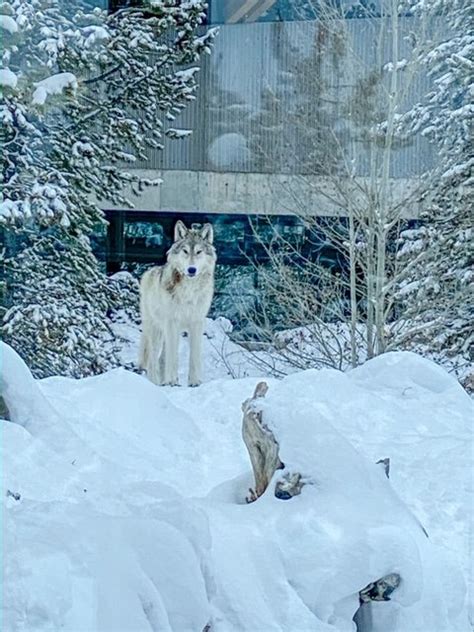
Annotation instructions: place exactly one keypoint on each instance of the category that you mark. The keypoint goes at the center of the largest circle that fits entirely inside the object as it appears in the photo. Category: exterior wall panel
(255, 107)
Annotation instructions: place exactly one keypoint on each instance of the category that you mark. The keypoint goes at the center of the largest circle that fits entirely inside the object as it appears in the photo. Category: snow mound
(401, 370)
(125, 509)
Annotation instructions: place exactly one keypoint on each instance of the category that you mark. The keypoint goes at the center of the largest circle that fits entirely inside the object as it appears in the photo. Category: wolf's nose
(192, 271)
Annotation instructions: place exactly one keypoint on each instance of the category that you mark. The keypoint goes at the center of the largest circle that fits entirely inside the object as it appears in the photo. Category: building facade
(284, 91)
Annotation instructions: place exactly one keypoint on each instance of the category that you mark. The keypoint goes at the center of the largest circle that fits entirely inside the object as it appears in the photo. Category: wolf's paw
(194, 383)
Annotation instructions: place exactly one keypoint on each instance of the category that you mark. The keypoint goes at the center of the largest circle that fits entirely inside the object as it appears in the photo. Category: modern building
(276, 95)
(284, 98)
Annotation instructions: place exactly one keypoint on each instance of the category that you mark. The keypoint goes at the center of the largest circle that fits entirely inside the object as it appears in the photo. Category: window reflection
(145, 234)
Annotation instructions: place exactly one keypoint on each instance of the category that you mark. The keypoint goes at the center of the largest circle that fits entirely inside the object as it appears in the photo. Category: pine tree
(436, 291)
(84, 93)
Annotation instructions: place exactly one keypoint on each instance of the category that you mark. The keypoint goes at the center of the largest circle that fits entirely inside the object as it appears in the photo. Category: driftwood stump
(263, 449)
(261, 444)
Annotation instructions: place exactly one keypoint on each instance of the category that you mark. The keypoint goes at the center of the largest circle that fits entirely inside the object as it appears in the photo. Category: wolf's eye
(186, 251)
(198, 252)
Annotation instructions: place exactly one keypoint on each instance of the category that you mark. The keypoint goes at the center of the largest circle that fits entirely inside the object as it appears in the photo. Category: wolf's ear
(180, 230)
(207, 233)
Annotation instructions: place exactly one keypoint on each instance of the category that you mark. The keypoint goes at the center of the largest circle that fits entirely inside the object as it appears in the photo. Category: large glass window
(237, 11)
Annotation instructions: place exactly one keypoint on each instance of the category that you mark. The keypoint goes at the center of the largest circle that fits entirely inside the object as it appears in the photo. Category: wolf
(175, 298)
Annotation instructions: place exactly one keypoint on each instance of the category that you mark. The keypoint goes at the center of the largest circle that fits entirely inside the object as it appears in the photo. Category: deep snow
(124, 502)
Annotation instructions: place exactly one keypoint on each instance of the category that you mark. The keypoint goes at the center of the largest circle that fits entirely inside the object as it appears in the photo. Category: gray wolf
(175, 298)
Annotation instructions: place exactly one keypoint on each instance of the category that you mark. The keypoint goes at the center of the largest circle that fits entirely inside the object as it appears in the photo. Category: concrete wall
(257, 193)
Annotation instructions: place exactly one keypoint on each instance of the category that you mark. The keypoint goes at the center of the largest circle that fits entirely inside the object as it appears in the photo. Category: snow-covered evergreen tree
(83, 93)
(437, 289)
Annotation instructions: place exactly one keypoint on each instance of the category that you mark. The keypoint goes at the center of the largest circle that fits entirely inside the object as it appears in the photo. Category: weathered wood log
(261, 444)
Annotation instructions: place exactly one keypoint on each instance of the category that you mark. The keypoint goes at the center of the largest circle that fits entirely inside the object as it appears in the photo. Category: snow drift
(124, 503)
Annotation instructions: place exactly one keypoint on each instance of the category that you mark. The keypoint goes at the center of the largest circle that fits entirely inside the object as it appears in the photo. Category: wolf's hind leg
(151, 345)
(154, 364)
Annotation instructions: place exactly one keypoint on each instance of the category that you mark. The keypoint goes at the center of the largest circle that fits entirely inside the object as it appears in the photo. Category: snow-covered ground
(124, 502)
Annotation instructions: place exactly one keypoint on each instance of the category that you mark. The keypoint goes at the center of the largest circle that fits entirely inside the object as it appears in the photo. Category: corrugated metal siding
(256, 111)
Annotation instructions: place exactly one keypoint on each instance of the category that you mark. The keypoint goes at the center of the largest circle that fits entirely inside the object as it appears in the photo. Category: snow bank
(356, 526)
(124, 502)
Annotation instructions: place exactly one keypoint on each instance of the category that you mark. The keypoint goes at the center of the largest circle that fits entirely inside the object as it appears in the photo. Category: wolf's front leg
(195, 352)
(171, 355)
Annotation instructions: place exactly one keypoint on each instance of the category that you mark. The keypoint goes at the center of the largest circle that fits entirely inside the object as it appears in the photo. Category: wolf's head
(192, 252)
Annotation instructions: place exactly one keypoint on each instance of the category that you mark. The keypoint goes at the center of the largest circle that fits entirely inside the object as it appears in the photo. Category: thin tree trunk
(369, 283)
(353, 288)
(382, 218)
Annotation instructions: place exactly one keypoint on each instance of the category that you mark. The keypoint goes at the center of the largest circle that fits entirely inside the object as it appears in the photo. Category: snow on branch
(7, 23)
(55, 84)
(8, 78)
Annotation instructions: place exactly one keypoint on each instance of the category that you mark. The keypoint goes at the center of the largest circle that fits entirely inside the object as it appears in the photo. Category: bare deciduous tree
(353, 171)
